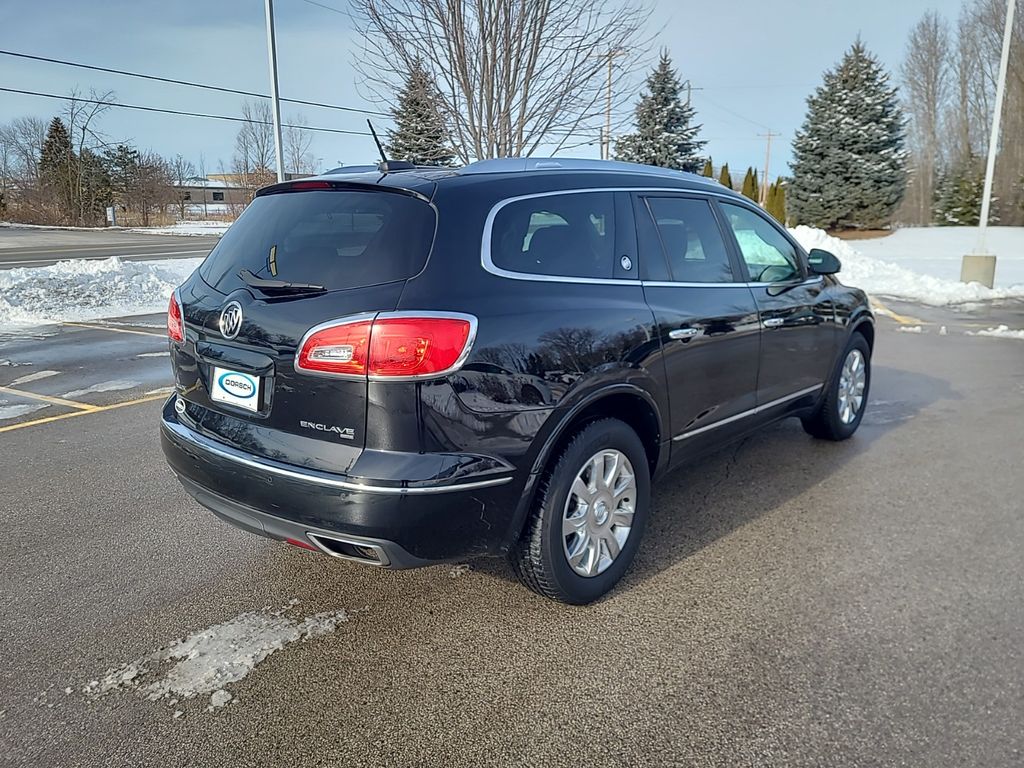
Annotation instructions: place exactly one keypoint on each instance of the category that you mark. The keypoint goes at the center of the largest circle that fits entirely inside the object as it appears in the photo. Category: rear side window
(571, 235)
(337, 239)
(691, 239)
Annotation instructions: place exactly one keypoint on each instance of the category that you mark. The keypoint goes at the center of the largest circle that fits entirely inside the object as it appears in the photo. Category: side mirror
(823, 262)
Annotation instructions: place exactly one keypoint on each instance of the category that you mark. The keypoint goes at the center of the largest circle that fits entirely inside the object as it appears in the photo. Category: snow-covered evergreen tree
(664, 135)
(58, 166)
(958, 194)
(849, 162)
(420, 135)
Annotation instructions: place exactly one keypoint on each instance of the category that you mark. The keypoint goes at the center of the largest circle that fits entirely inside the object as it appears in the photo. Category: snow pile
(205, 661)
(187, 228)
(884, 278)
(1000, 332)
(88, 289)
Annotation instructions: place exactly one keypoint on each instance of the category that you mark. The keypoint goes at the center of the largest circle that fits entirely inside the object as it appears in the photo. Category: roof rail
(523, 164)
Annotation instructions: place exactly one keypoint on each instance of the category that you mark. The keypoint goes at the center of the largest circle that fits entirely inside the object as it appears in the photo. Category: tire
(830, 421)
(549, 561)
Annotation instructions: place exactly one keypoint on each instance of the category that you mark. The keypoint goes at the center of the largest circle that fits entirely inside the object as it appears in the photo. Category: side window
(571, 235)
(769, 256)
(218, 196)
(692, 241)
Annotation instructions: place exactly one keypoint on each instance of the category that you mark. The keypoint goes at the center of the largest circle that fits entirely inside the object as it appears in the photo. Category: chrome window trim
(751, 412)
(363, 316)
(316, 478)
(487, 259)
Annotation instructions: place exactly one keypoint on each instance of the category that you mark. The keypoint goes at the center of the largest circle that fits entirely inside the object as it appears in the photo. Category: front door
(706, 317)
(797, 315)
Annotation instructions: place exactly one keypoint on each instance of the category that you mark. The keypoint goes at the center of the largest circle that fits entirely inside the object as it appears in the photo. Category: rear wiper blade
(277, 287)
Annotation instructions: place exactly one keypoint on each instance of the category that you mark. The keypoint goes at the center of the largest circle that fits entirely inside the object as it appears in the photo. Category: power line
(187, 83)
(733, 112)
(179, 112)
(325, 7)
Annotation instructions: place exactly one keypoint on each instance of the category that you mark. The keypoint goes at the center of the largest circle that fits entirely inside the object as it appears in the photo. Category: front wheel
(842, 408)
(590, 513)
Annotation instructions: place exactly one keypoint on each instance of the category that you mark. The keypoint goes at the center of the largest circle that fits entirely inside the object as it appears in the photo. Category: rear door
(359, 245)
(706, 317)
(796, 309)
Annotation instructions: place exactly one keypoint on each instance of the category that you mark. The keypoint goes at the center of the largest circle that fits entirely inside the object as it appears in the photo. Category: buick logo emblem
(231, 320)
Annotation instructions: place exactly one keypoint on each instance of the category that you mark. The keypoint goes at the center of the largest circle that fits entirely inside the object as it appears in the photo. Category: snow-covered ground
(923, 264)
(88, 290)
(187, 228)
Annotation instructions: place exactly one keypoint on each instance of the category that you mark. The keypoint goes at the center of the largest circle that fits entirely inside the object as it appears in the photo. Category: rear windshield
(337, 239)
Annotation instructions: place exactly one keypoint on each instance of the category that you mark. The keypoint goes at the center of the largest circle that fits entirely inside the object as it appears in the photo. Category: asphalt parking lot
(40, 247)
(794, 602)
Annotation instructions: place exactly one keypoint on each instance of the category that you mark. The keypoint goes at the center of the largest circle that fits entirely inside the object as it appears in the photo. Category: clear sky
(755, 62)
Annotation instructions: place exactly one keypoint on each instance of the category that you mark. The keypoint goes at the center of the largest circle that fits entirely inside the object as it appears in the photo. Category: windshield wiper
(278, 287)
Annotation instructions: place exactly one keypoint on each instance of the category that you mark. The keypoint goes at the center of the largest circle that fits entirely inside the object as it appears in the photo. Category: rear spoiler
(347, 185)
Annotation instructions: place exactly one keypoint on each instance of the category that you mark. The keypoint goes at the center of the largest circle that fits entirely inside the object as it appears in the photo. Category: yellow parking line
(93, 409)
(116, 330)
(901, 319)
(49, 399)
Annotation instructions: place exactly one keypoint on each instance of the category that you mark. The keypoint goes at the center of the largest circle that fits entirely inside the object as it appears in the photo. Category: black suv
(419, 365)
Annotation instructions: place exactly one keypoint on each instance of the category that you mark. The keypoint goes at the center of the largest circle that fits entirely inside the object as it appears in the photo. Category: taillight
(175, 323)
(394, 345)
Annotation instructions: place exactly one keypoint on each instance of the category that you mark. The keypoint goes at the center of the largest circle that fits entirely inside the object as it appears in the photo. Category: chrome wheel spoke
(852, 383)
(598, 513)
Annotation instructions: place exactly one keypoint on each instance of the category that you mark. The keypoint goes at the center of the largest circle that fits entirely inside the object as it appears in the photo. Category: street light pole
(275, 101)
(981, 266)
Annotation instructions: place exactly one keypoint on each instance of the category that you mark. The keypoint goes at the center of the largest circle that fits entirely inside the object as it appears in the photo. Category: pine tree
(749, 188)
(664, 135)
(420, 135)
(724, 177)
(709, 169)
(849, 158)
(958, 194)
(58, 169)
(775, 203)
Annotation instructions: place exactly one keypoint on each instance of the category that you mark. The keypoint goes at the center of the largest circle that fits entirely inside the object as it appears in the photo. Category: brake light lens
(391, 346)
(175, 323)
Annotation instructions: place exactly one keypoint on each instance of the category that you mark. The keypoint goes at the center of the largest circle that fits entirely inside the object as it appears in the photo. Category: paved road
(794, 603)
(42, 247)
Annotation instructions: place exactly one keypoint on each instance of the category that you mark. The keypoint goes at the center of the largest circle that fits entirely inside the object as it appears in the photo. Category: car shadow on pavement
(694, 506)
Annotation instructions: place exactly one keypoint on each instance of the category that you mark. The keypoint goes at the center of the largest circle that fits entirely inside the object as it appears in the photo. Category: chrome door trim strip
(751, 412)
(316, 478)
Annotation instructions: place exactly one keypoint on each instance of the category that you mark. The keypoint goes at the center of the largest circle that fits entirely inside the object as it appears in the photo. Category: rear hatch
(301, 254)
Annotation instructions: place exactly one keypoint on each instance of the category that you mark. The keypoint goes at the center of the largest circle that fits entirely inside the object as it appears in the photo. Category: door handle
(774, 322)
(683, 334)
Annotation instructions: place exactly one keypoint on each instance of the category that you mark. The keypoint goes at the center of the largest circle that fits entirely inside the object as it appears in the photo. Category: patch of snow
(159, 391)
(186, 228)
(459, 570)
(909, 329)
(943, 331)
(206, 661)
(154, 354)
(103, 386)
(1000, 331)
(88, 290)
(885, 278)
(14, 411)
(34, 377)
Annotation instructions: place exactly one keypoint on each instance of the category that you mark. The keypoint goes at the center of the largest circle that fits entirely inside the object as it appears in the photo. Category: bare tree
(80, 115)
(298, 142)
(181, 172)
(254, 156)
(513, 75)
(926, 90)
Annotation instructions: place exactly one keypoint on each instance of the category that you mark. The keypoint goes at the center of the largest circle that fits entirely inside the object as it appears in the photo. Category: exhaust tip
(361, 552)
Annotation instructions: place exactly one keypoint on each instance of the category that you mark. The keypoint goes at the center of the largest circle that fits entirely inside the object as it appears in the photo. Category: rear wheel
(590, 513)
(840, 411)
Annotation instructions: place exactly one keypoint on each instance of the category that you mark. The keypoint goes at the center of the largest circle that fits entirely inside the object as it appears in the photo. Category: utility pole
(981, 266)
(606, 140)
(275, 101)
(763, 193)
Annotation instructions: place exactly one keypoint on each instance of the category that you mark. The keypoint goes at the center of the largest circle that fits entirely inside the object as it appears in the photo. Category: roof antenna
(380, 148)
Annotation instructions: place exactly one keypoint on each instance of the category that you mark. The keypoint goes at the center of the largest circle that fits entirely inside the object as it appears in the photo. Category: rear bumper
(410, 525)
